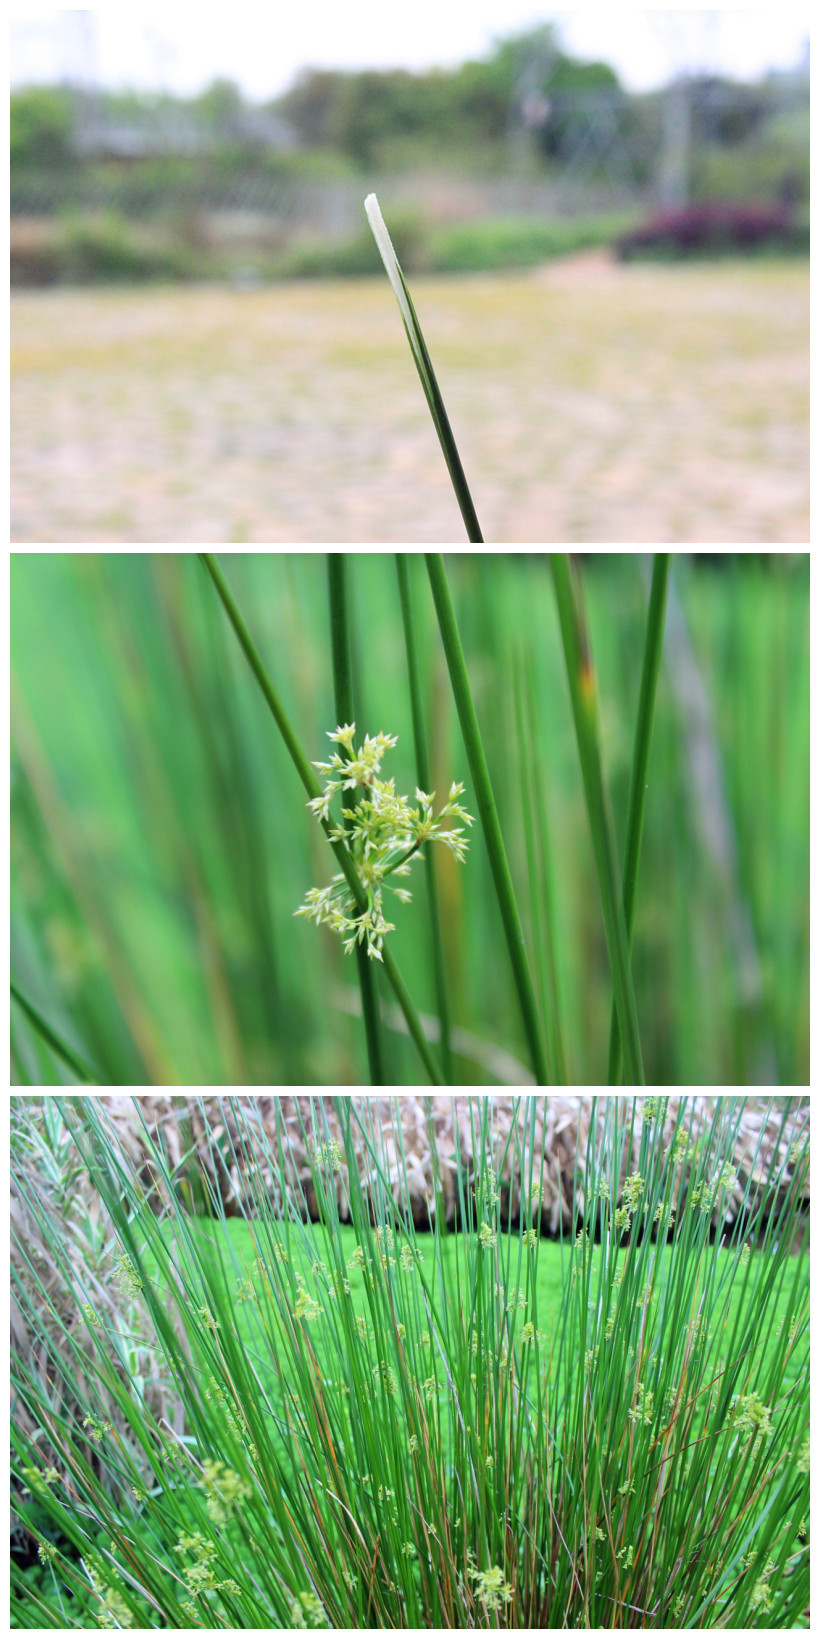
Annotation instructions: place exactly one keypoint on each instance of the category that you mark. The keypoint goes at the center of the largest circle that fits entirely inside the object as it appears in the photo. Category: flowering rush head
(381, 830)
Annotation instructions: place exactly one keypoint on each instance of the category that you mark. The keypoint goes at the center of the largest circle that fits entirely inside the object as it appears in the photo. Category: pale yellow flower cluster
(382, 832)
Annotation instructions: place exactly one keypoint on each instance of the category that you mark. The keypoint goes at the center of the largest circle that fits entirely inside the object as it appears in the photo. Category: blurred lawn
(161, 844)
(591, 402)
(546, 1293)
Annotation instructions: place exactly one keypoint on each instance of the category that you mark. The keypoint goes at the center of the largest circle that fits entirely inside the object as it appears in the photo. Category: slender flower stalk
(311, 785)
(343, 700)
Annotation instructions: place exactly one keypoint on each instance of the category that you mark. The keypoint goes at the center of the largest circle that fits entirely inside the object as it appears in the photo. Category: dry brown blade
(89, 1282)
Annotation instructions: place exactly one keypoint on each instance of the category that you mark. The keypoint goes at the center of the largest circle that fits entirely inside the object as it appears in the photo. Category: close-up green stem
(405, 567)
(653, 649)
(60, 1048)
(488, 812)
(346, 713)
(427, 375)
(583, 690)
(539, 795)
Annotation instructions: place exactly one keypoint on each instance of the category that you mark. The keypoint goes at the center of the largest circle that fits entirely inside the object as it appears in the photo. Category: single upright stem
(584, 696)
(488, 812)
(653, 648)
(536, 836)
(423, 363)
(345, 713)
(313, 789)
(425, 781)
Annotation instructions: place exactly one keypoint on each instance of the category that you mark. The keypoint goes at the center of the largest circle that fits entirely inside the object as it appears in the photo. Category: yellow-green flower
(383, 833)
(491, 1588)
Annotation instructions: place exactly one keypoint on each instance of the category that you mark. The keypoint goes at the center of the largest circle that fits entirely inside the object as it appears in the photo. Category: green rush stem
(55, 1043)
(653, 648)
(536, 839)
(488, 811)
(313, 789)
(446, 438)
(345, 713)
(583, 695)
(424, 366)
(425, 781)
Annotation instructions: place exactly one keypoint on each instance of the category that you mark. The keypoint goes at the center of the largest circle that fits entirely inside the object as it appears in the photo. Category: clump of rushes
(383, 833)
(378, 1429)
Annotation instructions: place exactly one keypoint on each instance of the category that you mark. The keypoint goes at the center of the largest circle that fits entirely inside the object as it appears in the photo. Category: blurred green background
(505, 159)
(160, 840)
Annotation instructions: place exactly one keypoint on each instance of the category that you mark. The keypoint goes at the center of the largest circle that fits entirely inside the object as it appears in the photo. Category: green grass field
(545, 1293)
(590, 401)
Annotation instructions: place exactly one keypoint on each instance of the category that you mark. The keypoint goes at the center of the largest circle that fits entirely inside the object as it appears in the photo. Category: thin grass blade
(539, 857)
(584, 697)
(424, 773)
(423, 363)
(488, 812)
(653, 648)
(55, 1043)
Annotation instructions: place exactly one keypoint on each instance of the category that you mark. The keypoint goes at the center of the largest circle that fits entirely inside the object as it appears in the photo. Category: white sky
(183, 47)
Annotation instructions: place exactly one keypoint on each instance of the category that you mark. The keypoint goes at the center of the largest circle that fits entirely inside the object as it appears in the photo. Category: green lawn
(543, 1304)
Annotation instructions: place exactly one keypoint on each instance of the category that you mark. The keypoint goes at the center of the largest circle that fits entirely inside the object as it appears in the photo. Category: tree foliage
(365, 113)
(526, 95)
(41, 128)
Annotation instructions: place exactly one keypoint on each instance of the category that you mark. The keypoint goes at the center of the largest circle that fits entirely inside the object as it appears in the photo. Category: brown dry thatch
(421, 1141)
(59, 1284)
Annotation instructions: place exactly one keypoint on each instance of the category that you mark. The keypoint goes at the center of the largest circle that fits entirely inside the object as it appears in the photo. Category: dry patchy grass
(591, 402)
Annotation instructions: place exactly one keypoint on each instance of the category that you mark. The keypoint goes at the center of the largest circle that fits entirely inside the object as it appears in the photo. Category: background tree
(42, 128)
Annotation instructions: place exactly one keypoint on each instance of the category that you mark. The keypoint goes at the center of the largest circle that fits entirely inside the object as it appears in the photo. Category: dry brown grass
(422, 1140)
(74, 1269)
(591, 402)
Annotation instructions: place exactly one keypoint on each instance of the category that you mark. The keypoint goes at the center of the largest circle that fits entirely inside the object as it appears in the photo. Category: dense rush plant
(385, 1429)
(382, 831)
